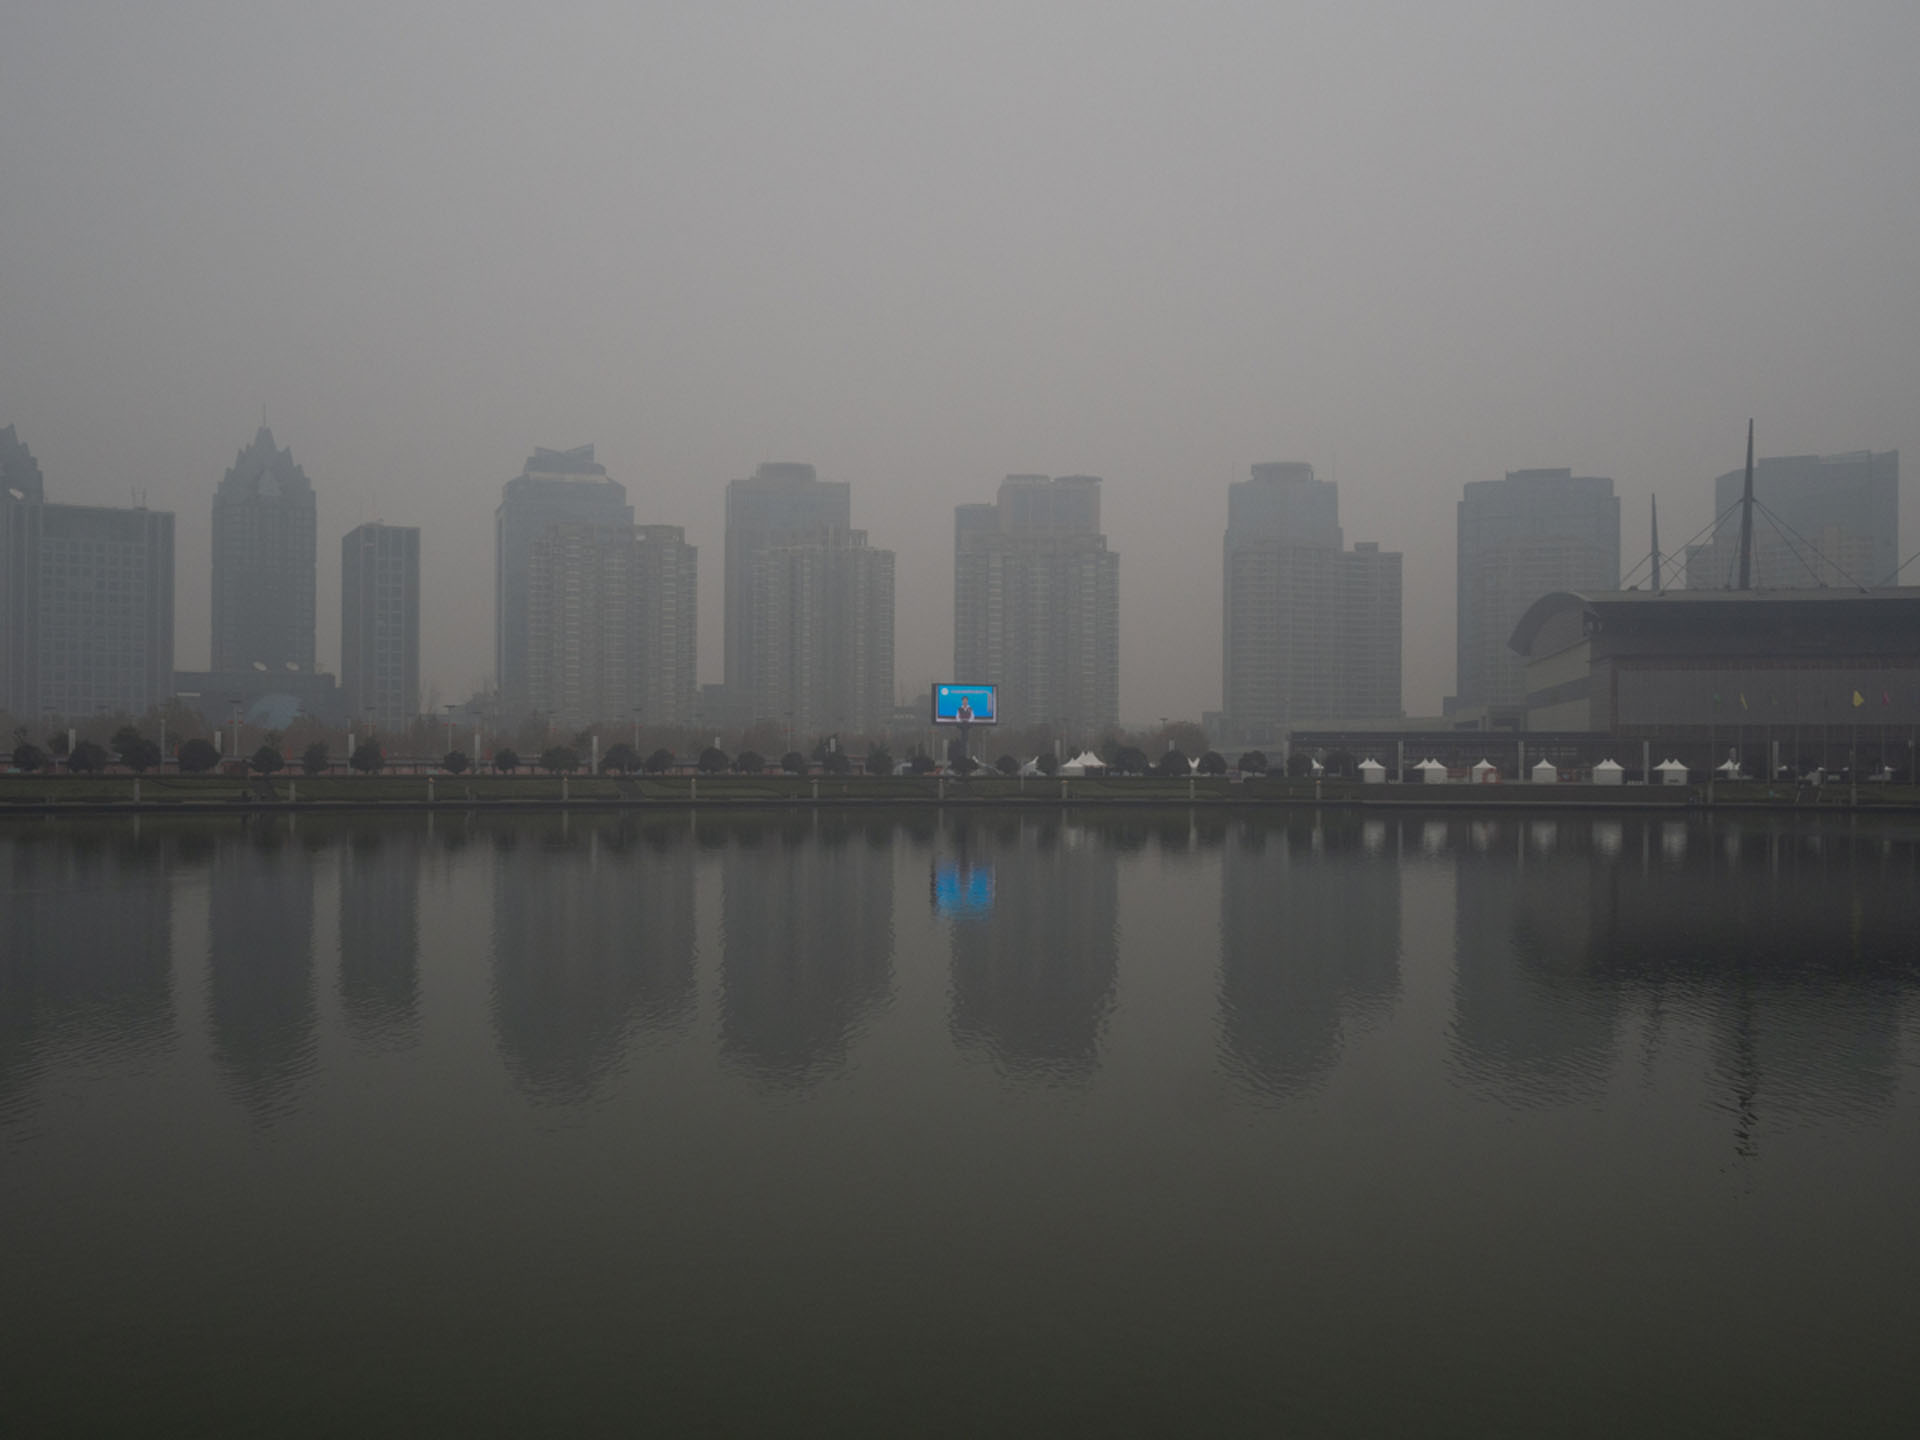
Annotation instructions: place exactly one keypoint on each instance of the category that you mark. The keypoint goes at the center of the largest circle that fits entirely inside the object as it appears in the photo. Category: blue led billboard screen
(964, 705)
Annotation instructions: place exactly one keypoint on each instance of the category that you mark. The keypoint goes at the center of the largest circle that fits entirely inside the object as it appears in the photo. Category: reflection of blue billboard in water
(964, 705)
(962, 890)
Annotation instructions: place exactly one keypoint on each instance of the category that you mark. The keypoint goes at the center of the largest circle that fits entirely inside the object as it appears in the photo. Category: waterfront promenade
(172, 794)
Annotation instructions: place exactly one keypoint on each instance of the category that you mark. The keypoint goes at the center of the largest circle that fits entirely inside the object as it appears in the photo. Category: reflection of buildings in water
(260, 1003)
(1526, 1024)
(380, 934)
(1795, 947)
(807, 941)
(1033, 978)
(593, 938)
(1309, 945)
(86, 950)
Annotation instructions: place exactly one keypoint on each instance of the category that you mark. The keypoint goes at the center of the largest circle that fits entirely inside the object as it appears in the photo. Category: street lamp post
(235, 704)
(449, 710)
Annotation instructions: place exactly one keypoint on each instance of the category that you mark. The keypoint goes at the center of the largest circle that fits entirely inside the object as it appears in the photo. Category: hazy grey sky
(925, 245)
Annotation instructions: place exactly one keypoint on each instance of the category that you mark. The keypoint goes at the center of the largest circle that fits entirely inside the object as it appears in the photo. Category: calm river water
(909, 1124)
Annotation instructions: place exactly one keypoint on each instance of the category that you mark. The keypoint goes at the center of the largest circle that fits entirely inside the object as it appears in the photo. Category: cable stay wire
(1673, 560)
(1894, 574)
(1794, 540)
(1787, 533)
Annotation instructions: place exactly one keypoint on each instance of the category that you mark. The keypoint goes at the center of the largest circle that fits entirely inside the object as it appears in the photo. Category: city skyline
(1871, 489)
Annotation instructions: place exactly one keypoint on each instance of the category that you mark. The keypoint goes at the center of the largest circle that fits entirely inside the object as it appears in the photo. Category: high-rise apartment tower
(380, 625)
(21, 487)
(557, 487)
(86, 601)
(1036, 605)
(809, 607)
(611, 625)
(1535, 532)
(1312, 630)
(780, 501)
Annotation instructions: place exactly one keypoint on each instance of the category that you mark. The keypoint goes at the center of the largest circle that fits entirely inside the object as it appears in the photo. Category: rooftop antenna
(1746, 518)
(1656, 543)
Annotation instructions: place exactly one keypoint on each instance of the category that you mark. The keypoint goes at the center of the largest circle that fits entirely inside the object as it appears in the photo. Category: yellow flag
(1859, 699)
(1743, 699)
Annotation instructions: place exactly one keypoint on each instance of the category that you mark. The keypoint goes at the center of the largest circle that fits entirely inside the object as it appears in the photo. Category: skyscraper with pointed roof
(19, 471)
(264, 563)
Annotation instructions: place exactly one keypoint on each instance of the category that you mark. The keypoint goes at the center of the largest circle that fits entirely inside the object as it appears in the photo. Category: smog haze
(925, 246)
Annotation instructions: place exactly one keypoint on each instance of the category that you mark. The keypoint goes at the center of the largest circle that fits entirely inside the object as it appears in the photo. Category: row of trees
(195, 756)
(137, 752)
(535, 738)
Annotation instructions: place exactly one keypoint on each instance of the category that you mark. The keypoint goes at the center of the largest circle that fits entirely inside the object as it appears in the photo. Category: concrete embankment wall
(218, 794)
